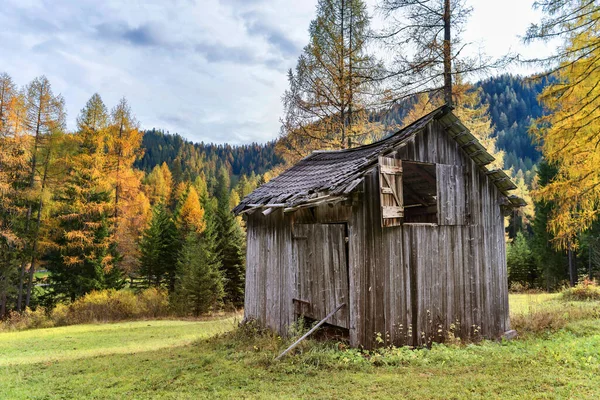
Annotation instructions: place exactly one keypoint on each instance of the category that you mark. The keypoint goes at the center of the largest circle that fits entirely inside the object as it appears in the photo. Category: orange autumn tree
(131, 206)
(14, 156)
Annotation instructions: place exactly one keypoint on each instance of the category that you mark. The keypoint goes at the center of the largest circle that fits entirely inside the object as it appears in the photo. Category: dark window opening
(419, 188)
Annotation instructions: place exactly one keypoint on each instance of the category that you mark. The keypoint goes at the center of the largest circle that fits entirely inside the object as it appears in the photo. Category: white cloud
(211, 70)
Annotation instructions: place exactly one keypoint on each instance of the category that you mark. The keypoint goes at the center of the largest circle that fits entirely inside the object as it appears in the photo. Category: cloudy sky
(211, 70)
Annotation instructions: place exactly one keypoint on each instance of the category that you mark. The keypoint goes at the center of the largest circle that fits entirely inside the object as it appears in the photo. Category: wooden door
(322, 280)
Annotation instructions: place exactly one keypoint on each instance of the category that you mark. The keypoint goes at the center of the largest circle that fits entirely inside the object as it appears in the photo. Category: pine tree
(135, 211)
(159, 248)
(44, 116)
(85, 252)
(199, 287)
(159, 184)
(520, 262)
(124, 141)
(230, 244)
(14, 156)
(326, 103)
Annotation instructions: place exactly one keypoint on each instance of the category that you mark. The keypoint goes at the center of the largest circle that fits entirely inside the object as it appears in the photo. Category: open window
(408, 192)
(419, 187)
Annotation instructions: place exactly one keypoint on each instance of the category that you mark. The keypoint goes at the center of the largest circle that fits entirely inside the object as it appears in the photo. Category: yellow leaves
(107, 263)
(159, 184)
(191, 213)
(527, 212)
(71, 261)
(134, 213)
(234, 199)
(473, 115)
(78, 239)
(422, 107)
(10, 238)
(569, 135)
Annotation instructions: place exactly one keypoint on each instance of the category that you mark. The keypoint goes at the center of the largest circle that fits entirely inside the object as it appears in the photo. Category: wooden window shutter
(390, 191)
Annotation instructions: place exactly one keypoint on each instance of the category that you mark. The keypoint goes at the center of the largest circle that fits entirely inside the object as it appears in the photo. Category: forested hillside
(188, 160)
(512, 104)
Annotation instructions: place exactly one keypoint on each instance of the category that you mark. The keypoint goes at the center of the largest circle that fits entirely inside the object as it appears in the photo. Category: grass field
(171, 359)
(524, 303)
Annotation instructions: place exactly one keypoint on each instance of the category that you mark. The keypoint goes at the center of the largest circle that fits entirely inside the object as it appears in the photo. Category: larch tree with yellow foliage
(43, 118)
(131, 206)
(14, 157)
(190, 214)
(326, 103)
(569, 135)
(159, 184)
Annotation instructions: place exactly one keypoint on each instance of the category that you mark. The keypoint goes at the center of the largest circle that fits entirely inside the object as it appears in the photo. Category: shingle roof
(336, 173)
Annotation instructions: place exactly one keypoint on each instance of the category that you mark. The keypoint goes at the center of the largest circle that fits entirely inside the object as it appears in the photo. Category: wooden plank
(390, 190)
(392, 212)
(390, 169)
(451, 195)
(324, 270)
(314, 328)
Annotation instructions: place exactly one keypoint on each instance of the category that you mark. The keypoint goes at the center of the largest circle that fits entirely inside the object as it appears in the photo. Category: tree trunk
(447, 55)
(37, 230)
(118, 177)
(23, 264)
(2, 305)
(572, 270)
(342, 89)
(590, 249)
(350, 78)
(36, 143)
(33, 259)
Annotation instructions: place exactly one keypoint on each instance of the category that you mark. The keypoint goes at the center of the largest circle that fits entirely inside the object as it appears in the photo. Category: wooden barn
(407, 233)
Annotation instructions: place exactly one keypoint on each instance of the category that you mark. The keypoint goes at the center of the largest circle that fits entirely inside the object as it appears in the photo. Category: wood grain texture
(406, 284)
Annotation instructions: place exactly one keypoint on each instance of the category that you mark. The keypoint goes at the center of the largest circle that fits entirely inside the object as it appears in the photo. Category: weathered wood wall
(416, 282)
(322, 272)
(285, 258)
(412, 283)
(270, 270)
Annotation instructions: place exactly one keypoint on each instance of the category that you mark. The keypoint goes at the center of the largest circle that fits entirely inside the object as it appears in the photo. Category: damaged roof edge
(347, 167)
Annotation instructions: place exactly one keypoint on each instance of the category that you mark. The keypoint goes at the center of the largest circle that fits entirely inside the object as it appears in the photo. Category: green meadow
(214, 359)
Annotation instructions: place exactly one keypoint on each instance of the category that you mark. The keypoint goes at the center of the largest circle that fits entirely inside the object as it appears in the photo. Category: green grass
(84, 341)
(524, 303)
(41, 274)
(154, 359)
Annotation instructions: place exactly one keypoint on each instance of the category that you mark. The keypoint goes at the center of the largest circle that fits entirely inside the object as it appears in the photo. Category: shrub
(519, 287)
(154, 302)
(97, 306)
(26, 320)
(113, 305)
(60, 314)
(552, 316)
(585, 290)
